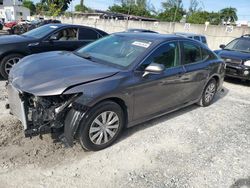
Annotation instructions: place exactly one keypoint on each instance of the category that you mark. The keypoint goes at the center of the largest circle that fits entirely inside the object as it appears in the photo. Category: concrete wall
(216, 35)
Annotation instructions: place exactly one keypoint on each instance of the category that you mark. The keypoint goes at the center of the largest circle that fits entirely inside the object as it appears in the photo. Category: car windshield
(116, 50)
(241, 44)
(41, 32)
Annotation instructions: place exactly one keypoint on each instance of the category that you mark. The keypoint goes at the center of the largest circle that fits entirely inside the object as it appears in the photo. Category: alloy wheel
(210, 92)
(10, 63)
(104, 127)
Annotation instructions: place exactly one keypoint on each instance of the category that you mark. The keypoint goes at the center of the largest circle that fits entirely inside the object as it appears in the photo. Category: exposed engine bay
(45, 114)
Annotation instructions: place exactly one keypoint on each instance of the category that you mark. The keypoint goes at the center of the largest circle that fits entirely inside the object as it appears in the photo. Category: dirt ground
(193, 147)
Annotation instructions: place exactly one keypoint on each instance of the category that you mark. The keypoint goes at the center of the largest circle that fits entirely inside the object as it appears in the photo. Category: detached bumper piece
(238, 71)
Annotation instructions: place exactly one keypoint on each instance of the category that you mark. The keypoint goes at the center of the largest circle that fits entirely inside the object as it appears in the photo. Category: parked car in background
(25, 25)
(49, 37)
(10, 24)
(197, 37)
(140, 31)
(93, 93)
(236, 54)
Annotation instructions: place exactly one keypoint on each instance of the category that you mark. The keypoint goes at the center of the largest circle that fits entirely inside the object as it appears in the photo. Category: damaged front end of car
(40, 115)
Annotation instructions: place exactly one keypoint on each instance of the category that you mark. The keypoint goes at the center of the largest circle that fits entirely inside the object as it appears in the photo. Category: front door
(65, 39)
(159, 92)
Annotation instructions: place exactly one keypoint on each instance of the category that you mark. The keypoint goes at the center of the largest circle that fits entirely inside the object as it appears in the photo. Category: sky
(243, 6)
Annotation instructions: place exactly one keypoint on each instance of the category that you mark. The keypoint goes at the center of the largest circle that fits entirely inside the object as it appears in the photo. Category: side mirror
(222, 46)
(154, 68)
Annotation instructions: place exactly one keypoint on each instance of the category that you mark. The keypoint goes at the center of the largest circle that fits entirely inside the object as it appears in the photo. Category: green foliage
(130, 9)
(81, 8)
(173, 11)
(171, 15)
(203, 16)
(52, 7)
(229, 14)
(41, 8)
(30, 5)
(172, 4)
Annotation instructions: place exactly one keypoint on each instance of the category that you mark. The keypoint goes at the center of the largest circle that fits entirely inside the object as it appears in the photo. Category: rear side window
(167, 54)
(101, 33)
(191, 53)
(87, 34)
(207, 55)
(204, 40)
(197, 38)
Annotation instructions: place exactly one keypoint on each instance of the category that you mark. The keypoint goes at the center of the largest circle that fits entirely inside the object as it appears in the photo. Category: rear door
(159, 92)
(196, 67)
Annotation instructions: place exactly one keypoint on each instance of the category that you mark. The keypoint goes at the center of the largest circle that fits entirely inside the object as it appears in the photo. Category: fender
(71, 124)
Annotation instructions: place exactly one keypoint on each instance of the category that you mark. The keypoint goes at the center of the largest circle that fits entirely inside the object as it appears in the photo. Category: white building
(13, 10)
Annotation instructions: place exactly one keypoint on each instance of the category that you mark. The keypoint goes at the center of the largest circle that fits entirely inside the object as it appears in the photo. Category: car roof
(140, 30)
(69, 25)
(188, 34)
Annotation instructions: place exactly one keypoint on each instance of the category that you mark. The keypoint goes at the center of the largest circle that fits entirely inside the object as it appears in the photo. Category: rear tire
(8, 62)
(102, 126)
(208, 93)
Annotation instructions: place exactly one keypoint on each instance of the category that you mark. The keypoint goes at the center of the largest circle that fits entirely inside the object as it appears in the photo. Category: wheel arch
(217, 79)
(12, 52)
(120, 102)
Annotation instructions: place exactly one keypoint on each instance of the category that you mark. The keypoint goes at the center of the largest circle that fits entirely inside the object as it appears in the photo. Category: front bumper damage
(238, 71)
(48, 114)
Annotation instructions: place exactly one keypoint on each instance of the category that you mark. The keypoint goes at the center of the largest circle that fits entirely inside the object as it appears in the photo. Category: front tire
(8, 62)
(102, 126)
(208, 93)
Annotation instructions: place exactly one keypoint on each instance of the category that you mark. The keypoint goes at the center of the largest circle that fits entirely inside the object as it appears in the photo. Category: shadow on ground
(241, 183)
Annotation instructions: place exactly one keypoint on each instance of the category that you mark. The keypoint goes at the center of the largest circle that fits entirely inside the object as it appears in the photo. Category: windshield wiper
(228, 49)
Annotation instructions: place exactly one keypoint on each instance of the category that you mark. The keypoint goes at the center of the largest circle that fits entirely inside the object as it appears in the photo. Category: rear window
(197, 38)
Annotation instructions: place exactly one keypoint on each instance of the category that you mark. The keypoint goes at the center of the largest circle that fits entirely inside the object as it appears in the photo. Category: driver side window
(166, 54)
(69, 34)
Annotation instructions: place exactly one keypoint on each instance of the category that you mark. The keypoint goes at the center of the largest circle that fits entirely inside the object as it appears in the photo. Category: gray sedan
(116, 82)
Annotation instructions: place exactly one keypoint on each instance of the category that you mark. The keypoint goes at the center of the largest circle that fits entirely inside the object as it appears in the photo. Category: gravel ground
(193, 147)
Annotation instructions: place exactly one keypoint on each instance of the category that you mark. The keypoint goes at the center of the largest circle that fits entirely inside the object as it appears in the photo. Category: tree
(81, 3)
(41, 8)
(173, 14)
(81, 8)
(198, 17)
(201, 17)
(30, 5)
(173, 11)
(55, 7)
(194, 6)
(170, 4)
(229, 14)
(134, 7)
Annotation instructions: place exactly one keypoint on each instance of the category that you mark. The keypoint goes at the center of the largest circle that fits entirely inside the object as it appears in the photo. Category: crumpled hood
(51, 73)
(9, 39)
(233, 54)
